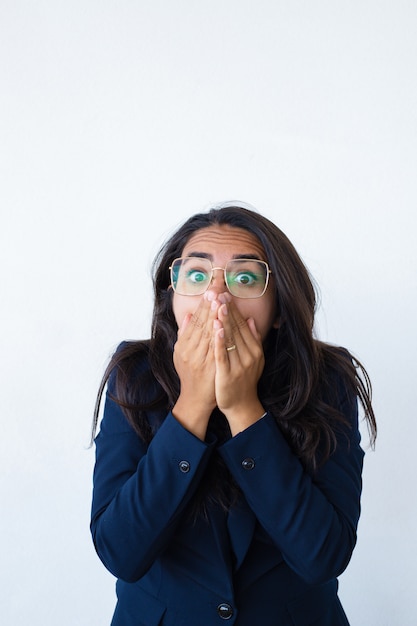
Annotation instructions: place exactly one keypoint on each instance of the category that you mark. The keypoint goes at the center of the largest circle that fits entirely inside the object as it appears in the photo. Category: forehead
(224, 240)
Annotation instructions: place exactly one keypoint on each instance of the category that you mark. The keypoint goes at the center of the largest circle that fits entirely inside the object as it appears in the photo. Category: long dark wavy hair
(298, 381)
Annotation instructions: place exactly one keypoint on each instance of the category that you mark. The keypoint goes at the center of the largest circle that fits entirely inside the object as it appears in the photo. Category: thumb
(252, 327)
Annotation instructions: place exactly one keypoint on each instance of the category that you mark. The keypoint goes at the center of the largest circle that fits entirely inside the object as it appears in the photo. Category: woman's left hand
(240, 360)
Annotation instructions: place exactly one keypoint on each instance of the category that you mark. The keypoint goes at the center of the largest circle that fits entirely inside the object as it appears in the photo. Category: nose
(217, 281)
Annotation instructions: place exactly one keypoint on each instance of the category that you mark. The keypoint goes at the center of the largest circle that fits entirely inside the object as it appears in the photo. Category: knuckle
(196, 322)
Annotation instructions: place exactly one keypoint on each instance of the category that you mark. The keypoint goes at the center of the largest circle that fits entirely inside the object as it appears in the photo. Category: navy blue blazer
(273, 560)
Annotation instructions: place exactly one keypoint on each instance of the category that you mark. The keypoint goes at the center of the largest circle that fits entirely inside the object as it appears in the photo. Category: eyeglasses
(244, 278)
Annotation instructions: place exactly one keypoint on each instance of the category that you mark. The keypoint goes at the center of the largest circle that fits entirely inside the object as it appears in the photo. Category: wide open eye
(246, 278)
(191, 275)
(196, 276)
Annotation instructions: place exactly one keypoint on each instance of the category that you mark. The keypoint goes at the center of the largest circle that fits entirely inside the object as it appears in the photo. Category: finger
(252, 326)
(198, 325)
(223, 316)
(184, 324)
(236, 328)
(220, 348)
(245, 327)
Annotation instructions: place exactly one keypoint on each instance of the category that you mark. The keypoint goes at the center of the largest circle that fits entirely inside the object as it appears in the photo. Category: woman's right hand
(195, 366)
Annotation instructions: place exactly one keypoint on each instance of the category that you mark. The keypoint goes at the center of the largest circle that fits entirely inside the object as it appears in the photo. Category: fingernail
(210, 295)
(214, 305)
(224, 309)
(224, 297)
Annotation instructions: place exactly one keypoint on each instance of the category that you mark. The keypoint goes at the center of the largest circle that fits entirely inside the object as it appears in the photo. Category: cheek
(182, 306)
(264, 326)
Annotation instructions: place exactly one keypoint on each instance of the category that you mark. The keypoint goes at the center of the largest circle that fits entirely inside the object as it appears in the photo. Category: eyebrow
(205, 255)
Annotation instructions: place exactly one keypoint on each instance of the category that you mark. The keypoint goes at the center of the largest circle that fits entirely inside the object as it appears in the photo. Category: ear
(277, 323)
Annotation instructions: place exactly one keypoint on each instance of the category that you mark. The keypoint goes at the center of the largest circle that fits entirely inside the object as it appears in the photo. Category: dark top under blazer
(273, 560)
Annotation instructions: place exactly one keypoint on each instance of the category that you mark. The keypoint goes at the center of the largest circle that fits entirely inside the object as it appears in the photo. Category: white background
(118, 120)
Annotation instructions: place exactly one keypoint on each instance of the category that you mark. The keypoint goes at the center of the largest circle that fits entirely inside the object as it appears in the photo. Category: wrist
(192, 417)
(242, 419)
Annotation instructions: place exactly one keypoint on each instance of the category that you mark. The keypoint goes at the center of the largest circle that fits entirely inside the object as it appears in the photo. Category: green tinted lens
(190, 276)
(246, 278)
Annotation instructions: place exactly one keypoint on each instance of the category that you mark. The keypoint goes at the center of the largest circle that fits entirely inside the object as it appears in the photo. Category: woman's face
(222, 243)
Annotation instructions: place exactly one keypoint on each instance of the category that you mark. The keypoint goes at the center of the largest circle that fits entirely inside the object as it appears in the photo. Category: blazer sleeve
(139, 493)
(311, 519)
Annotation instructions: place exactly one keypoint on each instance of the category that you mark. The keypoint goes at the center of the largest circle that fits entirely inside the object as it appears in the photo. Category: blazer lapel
(217, 521)
(233, 535)
(241, 523)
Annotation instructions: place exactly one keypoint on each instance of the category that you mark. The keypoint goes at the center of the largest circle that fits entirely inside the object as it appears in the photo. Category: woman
(228, 464)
